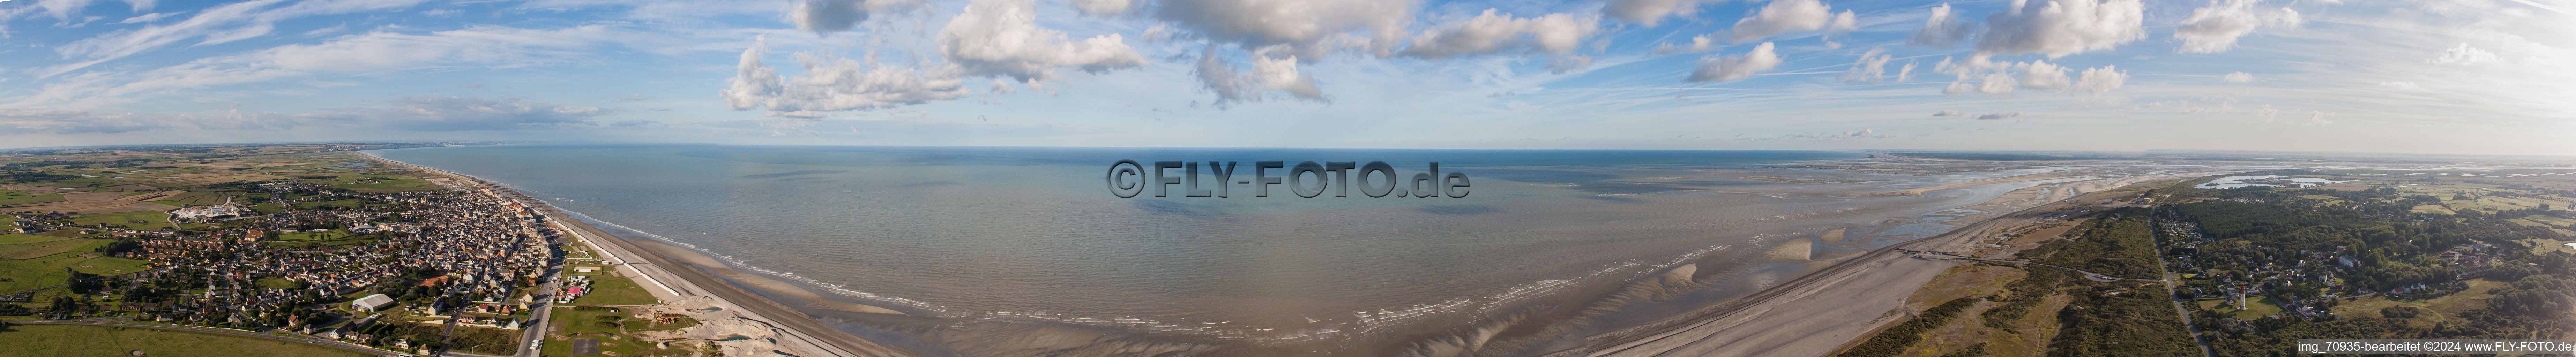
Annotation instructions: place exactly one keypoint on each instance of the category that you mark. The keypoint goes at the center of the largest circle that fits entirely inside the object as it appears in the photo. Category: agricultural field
(106, 341)
(145, 178)
(132, 220)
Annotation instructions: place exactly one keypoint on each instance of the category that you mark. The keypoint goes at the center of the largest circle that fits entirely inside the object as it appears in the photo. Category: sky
(2429, 76)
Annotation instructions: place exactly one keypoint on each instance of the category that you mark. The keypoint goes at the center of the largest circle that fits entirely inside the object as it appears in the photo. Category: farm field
(105, 341)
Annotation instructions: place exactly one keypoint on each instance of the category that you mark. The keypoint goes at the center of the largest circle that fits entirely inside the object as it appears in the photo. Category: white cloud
(2408, 86)
(483, 45)
(1491, 33)
(1268, 74)
(1001, 37)
(833, 84)
(2237, 77)
(1993, 116)
(1651, 12)
(828, 16)
(1949, 113)
(157, 16)
(2062, 27)
(1106, 7)
(1942, 29)
(1309, 29)
(220, 24)
(2042, 75)
(2463, 55)
(1870, 68)
(1781, 16)
(2215, 27)
(2102, 79)
(1728, 68)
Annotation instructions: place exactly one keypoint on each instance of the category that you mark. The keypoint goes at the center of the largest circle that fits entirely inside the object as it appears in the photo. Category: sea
(1008, 251)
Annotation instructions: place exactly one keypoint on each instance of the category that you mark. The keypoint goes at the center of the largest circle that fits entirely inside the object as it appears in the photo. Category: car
(536, 344)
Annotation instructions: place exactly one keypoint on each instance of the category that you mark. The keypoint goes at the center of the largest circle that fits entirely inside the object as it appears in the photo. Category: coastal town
(383, 261)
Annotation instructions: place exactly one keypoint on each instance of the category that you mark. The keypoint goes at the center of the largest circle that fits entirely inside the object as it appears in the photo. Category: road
(2170, 280)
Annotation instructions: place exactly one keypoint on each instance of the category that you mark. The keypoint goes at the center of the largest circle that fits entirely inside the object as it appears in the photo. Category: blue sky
(2444, 76)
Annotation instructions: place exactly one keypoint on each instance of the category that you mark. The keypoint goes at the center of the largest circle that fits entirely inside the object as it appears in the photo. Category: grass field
(2258, 307)
(29, 199)
(570, 324)
(151, 219)
(331, 242)
(104, 341)
(615, 291)
(34, 250)
(2475, 297)
(23, 274)
(14, 238)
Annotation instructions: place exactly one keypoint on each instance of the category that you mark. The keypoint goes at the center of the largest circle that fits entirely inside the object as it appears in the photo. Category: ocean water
(985, 246)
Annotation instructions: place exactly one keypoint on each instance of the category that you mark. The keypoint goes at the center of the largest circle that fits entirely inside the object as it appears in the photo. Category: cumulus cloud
(2062, 27)
(438, 113)
(1942, 29)
(2215, 27)
(2102, 79)
(2237, 77)
(2042, 75)
(1106, 7)
(2463, 54)
(1871, 68)
(830, 84)
(2000, 78)
(824, 17)
(1308, 29)
(1001, 37)
(1267, 74)
(1492, 33)
(1781, 16)
(1651, 12)
(1728, 68)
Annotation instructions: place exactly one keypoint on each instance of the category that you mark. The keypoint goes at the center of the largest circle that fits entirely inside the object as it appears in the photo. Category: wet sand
(1820, 312)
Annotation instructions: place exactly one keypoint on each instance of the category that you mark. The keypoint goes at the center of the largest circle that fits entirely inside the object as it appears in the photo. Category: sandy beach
(1822, 311)
(683, 280)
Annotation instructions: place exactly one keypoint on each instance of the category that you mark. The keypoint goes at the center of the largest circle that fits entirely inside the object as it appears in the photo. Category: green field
(570, 324)
(151, 219)
(615, 291)
(23, 274)
(14, 238)
(14, 199)
(33, 250)
(105, 341)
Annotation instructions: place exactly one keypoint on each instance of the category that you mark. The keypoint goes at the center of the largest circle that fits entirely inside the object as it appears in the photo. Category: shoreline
(1788, 318)
(792, 330)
